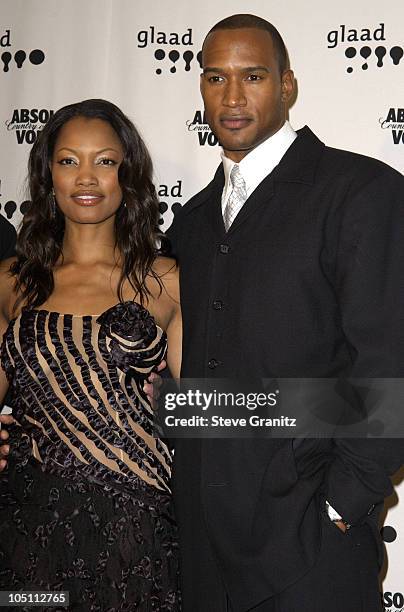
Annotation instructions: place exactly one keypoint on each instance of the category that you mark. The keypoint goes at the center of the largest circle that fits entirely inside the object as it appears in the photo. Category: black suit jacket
(311, 283)
(7, 238)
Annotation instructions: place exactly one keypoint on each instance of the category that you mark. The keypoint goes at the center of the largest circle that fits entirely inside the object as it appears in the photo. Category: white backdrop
(143, 55)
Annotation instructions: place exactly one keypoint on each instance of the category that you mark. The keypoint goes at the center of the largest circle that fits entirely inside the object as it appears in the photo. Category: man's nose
(234, 94)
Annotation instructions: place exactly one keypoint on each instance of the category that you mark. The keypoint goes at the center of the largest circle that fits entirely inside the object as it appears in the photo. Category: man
(302, 279)
(291, 262)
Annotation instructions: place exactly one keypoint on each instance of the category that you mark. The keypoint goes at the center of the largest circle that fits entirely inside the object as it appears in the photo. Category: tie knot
(236, 178)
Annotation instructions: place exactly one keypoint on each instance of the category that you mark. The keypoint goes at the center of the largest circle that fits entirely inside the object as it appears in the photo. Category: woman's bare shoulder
(7, 285)
(165, 266)
(7, 279)
(6, 263)
(167, 272)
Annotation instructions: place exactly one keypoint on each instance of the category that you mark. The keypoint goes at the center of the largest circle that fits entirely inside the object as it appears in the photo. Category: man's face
(243, 91)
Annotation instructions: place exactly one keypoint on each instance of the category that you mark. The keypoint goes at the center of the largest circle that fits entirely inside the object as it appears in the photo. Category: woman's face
(84, 168)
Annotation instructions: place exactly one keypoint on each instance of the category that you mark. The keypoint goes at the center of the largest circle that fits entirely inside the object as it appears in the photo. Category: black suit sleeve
(172, 237)
(7, 239)
(370, 289)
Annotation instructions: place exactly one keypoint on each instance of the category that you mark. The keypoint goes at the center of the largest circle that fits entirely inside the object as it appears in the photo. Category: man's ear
(201, 84)
(288, 85)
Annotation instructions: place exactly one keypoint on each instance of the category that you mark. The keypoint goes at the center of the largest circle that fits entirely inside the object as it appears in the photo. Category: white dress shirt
(257, 164)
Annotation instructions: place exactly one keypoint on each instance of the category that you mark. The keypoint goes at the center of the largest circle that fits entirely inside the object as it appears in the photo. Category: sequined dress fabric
(85, 505)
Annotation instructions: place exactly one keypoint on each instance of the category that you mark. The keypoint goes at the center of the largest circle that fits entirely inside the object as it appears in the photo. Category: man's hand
(335, 517)
(152, 385)
(340, 525)
(5, 419)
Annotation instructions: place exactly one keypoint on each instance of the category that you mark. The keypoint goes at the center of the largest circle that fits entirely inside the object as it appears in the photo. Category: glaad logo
(10, 207)
(151, 37)
(388, 533)
(36, 56)
(394, 602)
(353, 35)
(166, 195)
(26, 123)
(199, 125)
(394, 121)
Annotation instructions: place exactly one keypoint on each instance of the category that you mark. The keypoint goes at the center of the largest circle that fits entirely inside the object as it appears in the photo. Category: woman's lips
(87, 199)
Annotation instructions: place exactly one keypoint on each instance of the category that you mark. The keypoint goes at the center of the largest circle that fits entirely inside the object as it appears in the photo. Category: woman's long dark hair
(39, 244)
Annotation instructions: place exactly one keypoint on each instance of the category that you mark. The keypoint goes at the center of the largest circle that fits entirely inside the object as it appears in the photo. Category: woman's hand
(152, 385)
(5, 419)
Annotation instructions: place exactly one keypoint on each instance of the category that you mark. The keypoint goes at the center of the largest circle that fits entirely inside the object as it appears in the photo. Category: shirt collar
(257, 164)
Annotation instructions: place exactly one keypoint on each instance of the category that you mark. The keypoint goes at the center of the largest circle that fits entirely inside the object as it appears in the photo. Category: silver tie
(237, 197)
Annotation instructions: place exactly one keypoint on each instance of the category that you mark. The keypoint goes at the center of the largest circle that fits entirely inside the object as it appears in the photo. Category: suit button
(217, 305)
(213, 363)
(224, 249)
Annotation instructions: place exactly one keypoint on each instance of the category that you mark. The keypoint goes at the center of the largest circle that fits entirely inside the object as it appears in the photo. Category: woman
(86, 309)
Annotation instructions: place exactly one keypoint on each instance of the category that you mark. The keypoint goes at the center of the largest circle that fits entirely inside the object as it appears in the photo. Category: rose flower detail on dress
(129, 335)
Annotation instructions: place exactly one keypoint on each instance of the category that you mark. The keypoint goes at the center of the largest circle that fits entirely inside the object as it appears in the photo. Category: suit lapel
(297, 166)
(260, 197)
(213, 204)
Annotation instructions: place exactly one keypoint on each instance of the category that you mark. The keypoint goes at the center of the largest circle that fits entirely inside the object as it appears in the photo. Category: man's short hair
(244, 20)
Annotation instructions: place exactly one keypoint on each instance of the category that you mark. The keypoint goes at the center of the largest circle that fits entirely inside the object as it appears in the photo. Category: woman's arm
(174, 327)
(174, 336)
(167, 311)
(6, 300)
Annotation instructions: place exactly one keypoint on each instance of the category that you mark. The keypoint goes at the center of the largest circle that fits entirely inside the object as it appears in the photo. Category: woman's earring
(53, 204)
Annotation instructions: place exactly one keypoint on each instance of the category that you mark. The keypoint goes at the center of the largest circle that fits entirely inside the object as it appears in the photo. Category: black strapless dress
(85, 505)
